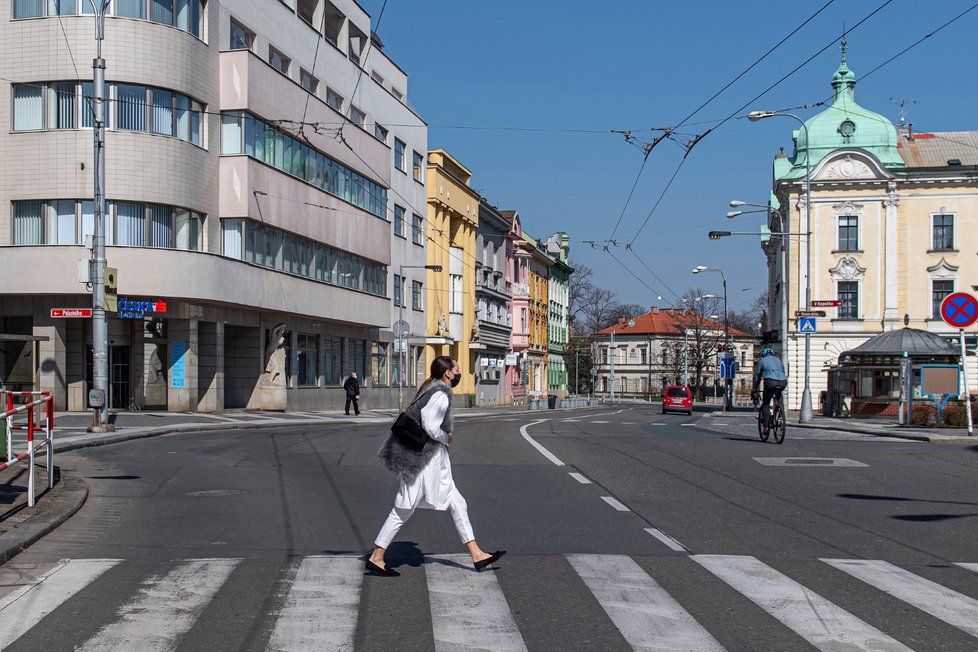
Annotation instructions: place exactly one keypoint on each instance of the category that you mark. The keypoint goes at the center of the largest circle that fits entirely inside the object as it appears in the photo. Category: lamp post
(699, 269)
(784, 265)
(806, 395)
(100, 326)
(400, 330)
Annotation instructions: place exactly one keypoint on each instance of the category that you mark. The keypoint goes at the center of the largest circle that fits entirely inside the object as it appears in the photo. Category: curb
(69, 500)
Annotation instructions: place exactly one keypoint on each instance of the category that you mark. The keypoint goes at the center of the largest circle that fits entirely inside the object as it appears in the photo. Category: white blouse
(433, 487)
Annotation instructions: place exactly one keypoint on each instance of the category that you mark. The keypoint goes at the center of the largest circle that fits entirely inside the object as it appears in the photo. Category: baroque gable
(850, 165)
(848, 269)
(943, 270)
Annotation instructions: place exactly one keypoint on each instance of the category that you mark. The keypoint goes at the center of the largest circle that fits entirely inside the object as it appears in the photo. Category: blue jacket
(769, 367)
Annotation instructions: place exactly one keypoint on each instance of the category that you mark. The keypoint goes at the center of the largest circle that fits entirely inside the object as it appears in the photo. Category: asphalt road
(626, 529)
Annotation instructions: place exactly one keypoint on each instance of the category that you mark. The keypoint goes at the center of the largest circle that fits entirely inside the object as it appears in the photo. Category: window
(28, 107)
(943, 232)
(307, 10)
(417, 167)
(849, 296)
(162, 11)
(130, 108)
(848, 233)
(334, 99)
(399, 155)
(183, 14)
(62, 106)
(333, 360)
(307, 360)
(376, 77)
(130, 224)
(357, 116)
(130, 8)
(398, 288)
(417, 229)
(380, 133)
(455, 293)
(242, 38)
(399, 220)
(396, 93)
(307, 81)
(279, 61)
(378, 363)
(358, 355)
(939, 291)
(416, 295)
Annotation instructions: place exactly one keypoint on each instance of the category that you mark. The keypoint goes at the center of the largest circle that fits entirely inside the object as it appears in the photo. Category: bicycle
(777, 419)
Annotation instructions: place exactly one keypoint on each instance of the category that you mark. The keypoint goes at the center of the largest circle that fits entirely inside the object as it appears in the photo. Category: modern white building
(256, 156)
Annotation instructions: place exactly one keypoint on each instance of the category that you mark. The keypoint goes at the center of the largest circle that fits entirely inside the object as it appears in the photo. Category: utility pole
(100, 327)
(611, 355)
(686, 357)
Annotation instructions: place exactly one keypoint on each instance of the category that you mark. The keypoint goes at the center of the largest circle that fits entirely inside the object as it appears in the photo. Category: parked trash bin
(552, 401)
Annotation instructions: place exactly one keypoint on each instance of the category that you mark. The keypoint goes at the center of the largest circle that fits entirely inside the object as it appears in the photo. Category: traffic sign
(728, 368)
(60, 313)
(809, 313)
(827, 303)
(959, 310)
(807, 325)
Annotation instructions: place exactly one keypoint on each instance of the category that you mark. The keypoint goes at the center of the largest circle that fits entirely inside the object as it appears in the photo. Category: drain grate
(808, 461)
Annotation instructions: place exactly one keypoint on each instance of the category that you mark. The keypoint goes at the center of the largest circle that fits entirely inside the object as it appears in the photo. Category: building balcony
(520, 341)
(518, 290)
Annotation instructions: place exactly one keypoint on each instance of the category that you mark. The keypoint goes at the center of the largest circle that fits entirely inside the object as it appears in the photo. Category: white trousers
(400, 515)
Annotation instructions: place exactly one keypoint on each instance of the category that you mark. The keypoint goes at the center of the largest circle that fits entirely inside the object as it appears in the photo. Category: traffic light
(765, 234)
(111, 289)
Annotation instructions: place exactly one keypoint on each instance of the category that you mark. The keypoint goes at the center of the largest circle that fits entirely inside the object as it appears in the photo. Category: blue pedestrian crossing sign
(807, 325)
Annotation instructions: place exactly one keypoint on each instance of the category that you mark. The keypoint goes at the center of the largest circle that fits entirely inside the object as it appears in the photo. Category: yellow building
(893, 215)
(453, 215)
(537, 353)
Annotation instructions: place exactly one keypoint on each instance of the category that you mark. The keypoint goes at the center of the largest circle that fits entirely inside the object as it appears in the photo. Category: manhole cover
(807, 461)
(217, 492)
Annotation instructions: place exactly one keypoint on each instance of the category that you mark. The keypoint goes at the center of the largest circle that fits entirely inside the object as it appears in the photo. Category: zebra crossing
(318, 599)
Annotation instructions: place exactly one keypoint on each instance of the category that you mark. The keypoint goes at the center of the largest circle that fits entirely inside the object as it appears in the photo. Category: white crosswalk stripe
(950, 606)
(820, 622)
(164, 609)
(318, 601)
(468, 609)
(322, 585)
(645, 614)
(25, 607)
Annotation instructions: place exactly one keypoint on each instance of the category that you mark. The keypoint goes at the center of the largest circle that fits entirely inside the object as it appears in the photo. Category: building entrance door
(119, 377)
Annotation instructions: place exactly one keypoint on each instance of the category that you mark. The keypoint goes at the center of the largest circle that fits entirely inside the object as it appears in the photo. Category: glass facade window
(253, 242)
(398, 285)
(378, 363)
(943, 232)
(417, 167)
(358, 357)
(182, 14)
(416, 295)
(848, 233)
(399, 155)
(939, 290)
(307, 360)
(241, 38)
(243, 133)
(849, 296)
(333, 360)
(417, 230)
(398, 220)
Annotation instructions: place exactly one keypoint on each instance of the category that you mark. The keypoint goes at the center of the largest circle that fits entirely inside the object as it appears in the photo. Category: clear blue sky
(641, 64)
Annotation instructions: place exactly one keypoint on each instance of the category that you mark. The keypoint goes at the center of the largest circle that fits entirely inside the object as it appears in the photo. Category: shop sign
(511, 359)
(137, 308)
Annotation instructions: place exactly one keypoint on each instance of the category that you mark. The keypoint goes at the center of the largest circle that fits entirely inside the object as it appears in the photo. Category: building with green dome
(894, 213)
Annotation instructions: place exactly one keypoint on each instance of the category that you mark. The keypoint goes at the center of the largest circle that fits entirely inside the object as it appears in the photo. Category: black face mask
(456, 380)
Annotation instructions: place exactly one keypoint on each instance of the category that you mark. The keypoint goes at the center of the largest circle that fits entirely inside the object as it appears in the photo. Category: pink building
(517, 285)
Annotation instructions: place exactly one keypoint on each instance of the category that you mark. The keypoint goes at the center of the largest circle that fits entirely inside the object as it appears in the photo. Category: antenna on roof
(902, 102)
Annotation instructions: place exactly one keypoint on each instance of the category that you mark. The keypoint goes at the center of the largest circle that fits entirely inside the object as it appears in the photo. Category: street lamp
(806, 395)
(400, 331)
(726, 327)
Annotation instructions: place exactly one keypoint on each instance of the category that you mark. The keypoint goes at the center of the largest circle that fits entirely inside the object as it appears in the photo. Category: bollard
(30, 448)
(49, 437)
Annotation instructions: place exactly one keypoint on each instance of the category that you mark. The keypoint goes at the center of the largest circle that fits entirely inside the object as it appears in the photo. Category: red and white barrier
(30, 408)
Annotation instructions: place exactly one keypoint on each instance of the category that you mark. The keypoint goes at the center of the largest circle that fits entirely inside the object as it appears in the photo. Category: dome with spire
(844, 124)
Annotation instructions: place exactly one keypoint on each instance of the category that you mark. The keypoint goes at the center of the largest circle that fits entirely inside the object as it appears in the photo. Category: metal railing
(29, 409)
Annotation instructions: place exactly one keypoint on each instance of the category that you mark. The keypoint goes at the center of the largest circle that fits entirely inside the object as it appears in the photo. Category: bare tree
(630, 310)
(752, 319)
(703, 324)
(600, 311)
(579, 291)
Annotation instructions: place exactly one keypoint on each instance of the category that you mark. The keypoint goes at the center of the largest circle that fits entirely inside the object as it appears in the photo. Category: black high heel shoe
(494, 557)
(383, 572)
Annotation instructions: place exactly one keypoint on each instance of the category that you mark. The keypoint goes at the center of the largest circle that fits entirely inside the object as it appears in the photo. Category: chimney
(910, 131)
(621, 319)
(655, 310)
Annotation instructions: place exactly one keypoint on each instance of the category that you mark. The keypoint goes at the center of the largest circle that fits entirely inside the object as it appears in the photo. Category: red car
(678, 397)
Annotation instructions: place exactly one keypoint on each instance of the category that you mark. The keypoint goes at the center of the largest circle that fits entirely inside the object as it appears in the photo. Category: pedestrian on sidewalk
(426, 476)
(352, 387)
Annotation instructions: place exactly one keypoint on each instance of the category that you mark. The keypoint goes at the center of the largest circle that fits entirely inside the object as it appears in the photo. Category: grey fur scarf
(403, 462)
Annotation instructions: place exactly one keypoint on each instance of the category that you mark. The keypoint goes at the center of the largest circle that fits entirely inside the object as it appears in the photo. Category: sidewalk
(877, 427)
(20, 526)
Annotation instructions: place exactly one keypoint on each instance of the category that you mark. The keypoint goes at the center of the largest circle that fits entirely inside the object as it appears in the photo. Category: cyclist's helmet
(767, 351)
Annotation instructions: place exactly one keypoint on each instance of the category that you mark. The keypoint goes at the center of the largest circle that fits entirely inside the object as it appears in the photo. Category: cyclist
(771, 371)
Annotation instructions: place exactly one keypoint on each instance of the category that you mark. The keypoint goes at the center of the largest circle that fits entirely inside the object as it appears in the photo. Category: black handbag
(409, 433)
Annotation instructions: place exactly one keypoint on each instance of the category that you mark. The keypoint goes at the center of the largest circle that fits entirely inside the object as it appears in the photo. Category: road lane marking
(614, 503)
(950, 606)
(600, 422)
(570, 420)
(820, 622)
(322, 585)
(580, 478)
(658, 424)
(26, 606)
(666, 539)
(809, 461)
(164, 609)
(543, 451)
(468, 609)
(971, 567)
(645, 614)
(687, 424)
